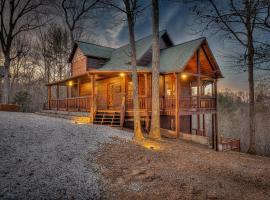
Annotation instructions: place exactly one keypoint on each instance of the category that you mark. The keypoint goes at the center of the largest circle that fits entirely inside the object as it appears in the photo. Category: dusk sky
(178, 20)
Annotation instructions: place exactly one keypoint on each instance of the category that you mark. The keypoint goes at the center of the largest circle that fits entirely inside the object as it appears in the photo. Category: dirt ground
(181, 170)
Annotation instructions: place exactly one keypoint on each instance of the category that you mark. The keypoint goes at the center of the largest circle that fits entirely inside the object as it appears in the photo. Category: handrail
(122, 111)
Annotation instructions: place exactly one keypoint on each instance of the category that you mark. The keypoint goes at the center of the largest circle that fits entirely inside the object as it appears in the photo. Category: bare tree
(53, 51)
(16, 17)
(244, 21)
(131, 9)
(155, 118)
(75, 13)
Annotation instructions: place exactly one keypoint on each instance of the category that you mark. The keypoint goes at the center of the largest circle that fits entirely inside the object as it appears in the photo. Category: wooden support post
(203, 125)
(198, 124)
(177, 98)
(78, 94)
(123, 101)
(198, 92)
(216, 117)
(213, 131)
(190, 124)
(198, 80)
(67, 97)
(49, 97)
(57, 97)
(147, 118)
(93, 99)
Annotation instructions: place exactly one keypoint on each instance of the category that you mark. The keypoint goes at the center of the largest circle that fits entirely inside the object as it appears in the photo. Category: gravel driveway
(48, 158)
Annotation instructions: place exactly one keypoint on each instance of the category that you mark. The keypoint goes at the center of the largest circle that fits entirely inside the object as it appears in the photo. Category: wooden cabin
(101, 84)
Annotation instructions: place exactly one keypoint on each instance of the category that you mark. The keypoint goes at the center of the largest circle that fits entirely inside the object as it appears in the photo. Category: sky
(178, 20)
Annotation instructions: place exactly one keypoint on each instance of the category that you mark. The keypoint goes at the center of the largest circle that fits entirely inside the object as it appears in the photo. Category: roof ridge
(95, 44)
(141, 39)
(184, 43)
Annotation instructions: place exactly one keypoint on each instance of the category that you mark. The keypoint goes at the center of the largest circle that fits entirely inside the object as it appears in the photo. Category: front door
(113, 99)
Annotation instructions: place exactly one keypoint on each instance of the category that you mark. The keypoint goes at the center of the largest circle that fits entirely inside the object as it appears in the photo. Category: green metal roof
(174, 59)
(121, 56)
(127, 68)
(90, 49)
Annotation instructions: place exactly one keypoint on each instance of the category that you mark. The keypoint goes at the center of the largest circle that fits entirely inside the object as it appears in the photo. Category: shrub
(23, 99)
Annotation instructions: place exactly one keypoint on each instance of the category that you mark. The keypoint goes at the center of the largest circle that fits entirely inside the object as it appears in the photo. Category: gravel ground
(50, 158)
(181, 170)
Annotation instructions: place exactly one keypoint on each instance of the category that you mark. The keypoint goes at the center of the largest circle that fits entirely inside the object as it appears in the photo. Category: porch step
(110, 118)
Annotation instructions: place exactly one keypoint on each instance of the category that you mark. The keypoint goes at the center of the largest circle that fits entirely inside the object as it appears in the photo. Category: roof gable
(121, 56)
(174, 59)
(89, 49)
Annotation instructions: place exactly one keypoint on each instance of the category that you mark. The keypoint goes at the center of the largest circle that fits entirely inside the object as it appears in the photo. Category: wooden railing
(205, 102)
(166, 103)
(229, 144)
(71, 104)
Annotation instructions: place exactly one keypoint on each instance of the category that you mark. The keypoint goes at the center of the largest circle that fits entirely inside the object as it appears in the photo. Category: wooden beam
(198, 79)
(146, 86)
(57, 96)
(78, 93)
(216, 117)
(93, 98)
(203, 124)
(198, 124)
(177, 98)
(213, 131)
(49, 97)
(68, 95)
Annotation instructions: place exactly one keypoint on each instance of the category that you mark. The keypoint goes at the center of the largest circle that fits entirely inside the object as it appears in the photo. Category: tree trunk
(155, 119)
(252, 147)
(6, 85)
(137, 123)
(249, 25)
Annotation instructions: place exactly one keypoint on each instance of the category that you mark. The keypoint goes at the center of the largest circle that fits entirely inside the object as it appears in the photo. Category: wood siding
(78, 63)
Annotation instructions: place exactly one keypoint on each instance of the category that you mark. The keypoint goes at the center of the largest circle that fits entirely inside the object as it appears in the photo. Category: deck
(187, 105)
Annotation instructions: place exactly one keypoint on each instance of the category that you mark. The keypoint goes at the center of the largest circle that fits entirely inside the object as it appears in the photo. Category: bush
(23, 99)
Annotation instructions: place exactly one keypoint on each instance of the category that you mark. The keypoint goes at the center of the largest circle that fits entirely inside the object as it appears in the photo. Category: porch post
(67, 96)
(198, 91)
(213, 131)
(78, 94)
(123, 85)
(146, 86)
(198, 124)
(177, 98)
(93, 102)
(57, 97)
(49, 96)
(203, 125)
(216, 117)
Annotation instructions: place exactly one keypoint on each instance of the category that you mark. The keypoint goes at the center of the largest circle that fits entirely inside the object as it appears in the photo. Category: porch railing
(186, 103)
(82, 103)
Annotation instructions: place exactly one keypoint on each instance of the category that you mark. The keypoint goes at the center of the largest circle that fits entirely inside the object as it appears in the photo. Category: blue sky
(178, 20)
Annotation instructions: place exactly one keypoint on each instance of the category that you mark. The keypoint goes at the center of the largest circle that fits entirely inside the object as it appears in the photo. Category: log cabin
(100, 84)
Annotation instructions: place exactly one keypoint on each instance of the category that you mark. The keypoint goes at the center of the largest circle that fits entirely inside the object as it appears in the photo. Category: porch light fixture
(70, 83)
(184, 76)
(122, 74)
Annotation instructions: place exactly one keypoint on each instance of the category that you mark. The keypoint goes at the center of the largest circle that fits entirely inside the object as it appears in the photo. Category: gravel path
(48, 158)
